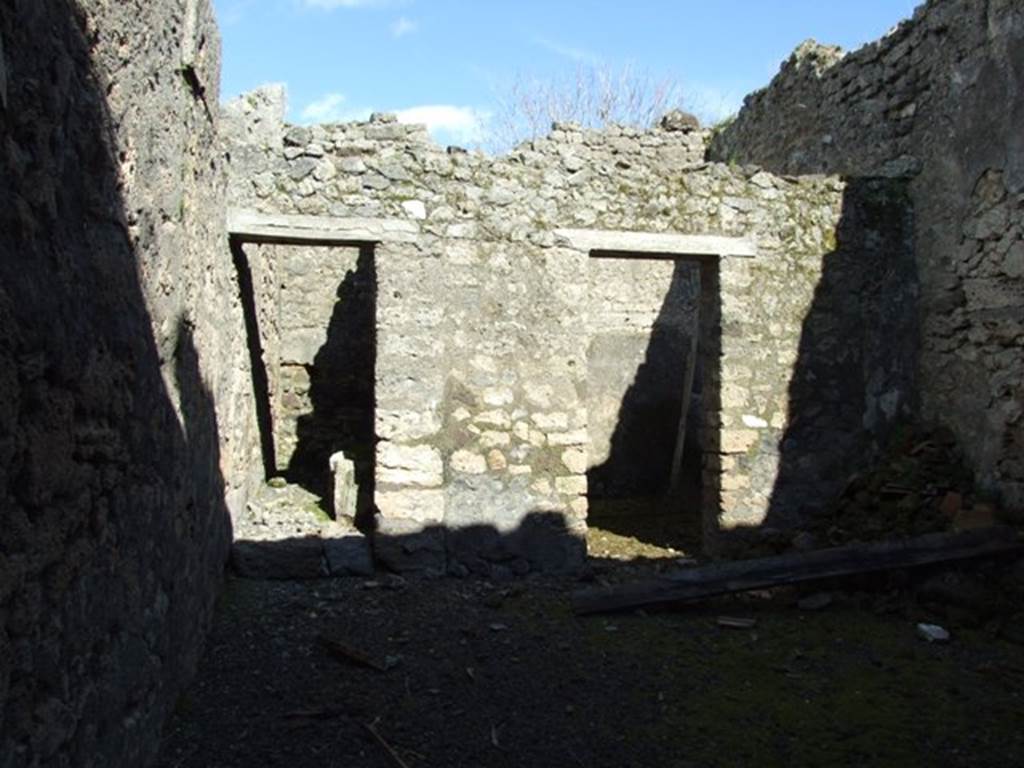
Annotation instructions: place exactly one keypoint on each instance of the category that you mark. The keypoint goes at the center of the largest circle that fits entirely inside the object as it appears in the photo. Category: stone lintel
(647, 244)
(295, 229)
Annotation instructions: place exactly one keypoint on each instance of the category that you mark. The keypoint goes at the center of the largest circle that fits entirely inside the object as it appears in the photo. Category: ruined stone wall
(486, 315)
(126, 431)
(938, 100)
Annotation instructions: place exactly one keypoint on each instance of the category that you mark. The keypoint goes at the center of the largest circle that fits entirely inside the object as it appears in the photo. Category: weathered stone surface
(418, 465)
(127, 441)
(496, 328)
(347, 553)
(423, 506)
(297, 558)
(406, 546)
(346, 492)
(938, 100)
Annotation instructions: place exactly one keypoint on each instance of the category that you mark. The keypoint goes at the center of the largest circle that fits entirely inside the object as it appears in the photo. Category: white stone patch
(498, 396)
(415, 209)
(551, 421)
(571, 484)
(576, 437)
(484, 363)
(468, 463)
(407, 425)
(575, 460)
(409, 465)
(538, 394)
(496, 418)
(422, 506)
(754, 422)
(492, 439)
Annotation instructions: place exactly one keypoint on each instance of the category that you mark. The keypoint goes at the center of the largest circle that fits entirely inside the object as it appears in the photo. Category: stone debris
(932, 633)
(285, 533)
(920, 485)
(815, 602)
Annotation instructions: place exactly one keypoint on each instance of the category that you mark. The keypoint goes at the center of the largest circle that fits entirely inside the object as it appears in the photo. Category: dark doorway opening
(310, 314)
(644, 401)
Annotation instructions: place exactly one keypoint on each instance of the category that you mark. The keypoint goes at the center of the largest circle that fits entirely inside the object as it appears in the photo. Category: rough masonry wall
(122, 355)
(484, 318)
(939, 100)
(641, 321)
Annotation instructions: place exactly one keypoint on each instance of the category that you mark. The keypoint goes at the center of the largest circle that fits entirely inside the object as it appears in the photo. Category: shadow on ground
(479, 673)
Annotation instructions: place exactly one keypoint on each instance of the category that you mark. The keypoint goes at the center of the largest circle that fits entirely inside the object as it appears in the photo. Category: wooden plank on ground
(743, 575)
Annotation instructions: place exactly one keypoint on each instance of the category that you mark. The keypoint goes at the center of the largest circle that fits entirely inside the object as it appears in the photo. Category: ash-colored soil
(484, 674)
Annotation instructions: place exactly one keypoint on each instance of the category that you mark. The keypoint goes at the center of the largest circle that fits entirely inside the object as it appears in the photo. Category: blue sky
(444, 62)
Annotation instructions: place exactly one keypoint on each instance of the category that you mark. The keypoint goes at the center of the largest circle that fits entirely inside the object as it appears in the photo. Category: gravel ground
(473, 673)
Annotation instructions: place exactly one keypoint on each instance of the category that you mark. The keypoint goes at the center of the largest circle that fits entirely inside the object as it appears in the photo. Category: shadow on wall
(638, 491)
(852, 384)
(115, 527)
(342, 392)
(853, 380)
(541, 543)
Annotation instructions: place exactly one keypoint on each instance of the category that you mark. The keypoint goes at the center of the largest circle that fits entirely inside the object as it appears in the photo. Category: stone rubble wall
(939, 100)
(126, 429)
(484, 321)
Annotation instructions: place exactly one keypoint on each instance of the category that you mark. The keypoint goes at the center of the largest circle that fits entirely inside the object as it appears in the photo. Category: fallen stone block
(346, 492)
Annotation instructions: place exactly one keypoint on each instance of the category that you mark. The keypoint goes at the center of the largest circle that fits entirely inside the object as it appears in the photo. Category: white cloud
(448, 123)
(567, 51)
(403, 27)
(332, 108)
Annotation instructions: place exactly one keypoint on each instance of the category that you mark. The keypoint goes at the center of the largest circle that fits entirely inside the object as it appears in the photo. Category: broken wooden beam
(743, 575)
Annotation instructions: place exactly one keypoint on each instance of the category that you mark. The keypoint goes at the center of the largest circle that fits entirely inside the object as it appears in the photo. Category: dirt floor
(473, 673)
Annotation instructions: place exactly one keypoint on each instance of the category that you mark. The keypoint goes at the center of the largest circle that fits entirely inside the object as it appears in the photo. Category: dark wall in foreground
(121, 348)
(940, 101)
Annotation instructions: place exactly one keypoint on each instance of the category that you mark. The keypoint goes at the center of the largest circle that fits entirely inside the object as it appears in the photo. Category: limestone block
(468, 463)
(551, 421)
(346, 492)
(424, 506)
(495, 418)
(571, 484)
(415, 209)
(409, 465)
(407, 425)
(542, 486)
(738, 440)
(492, 439)
(496, 461)
(576, 437)
(575, 459)
(1013, 262)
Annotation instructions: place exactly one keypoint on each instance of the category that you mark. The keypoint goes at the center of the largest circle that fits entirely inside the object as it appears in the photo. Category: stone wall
(641, 325)
(938, 100)
(125, 405)
(486, 315)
